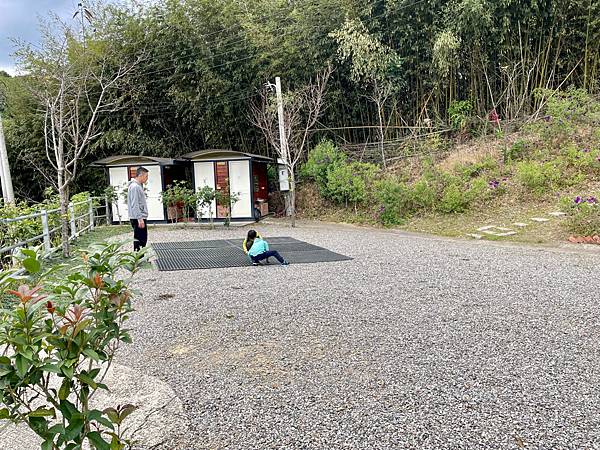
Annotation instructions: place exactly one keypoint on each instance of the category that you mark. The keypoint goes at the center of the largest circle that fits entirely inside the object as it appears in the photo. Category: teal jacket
(259, 247)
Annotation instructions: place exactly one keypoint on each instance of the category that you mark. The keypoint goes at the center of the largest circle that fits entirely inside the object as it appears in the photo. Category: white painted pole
(7, 187)
(282, 136)
(2, 181)
(283, 141)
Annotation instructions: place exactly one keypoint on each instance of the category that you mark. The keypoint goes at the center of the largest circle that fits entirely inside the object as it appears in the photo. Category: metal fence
(83, 217)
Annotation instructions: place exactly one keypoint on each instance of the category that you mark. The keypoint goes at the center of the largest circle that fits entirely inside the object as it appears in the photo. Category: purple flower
(578, 200)
(547, 118)
(592, 200)
(585, 150)
(494, 184)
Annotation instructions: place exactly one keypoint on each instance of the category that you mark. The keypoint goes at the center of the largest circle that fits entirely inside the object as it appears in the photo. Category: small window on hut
(132, 172)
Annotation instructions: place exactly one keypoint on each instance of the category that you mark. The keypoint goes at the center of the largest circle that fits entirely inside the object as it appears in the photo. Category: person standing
(138, 208)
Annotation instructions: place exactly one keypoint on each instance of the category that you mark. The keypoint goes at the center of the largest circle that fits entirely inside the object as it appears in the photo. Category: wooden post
(91, 213)
(46, 231)
(72, 220)
(108, 211)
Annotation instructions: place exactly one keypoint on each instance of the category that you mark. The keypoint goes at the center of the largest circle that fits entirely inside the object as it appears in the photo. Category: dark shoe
(285, 263)
(256, 264)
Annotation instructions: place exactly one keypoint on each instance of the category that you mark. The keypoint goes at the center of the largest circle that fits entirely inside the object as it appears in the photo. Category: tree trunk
(63, 192)
(293, 195)
(380, 129)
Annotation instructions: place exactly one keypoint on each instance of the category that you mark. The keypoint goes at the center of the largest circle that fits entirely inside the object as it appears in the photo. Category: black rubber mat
(220, 243)
(228, 253)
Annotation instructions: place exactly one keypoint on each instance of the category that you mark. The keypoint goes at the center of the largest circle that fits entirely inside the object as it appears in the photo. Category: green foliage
(486, 165)
(583, 216)
(22, 230)
(371, 61)
(516, 152)
(565, 111)
(191, 88)
(65, 330)
(445, 49)
(585, 159)
(538, 177)
(320, 162)
(454, 200)
(459, 114)
(179, 193)
(227, 199)
(350, 182)
(395, 199)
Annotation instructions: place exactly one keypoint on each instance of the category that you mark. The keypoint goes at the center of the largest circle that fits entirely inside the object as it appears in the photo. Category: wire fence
(44, 228)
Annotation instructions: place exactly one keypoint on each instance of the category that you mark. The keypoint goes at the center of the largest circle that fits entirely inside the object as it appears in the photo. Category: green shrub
(481, 189)
(564, 111)
(350, 182)
(584, 216)
(423, 195)
(517, 152)
(396, 200)
(454, 200)
(471, 170)
(538, 177)
(459, 114)
(320, 161)
(437, 180)
(65, 330)
(583, 158)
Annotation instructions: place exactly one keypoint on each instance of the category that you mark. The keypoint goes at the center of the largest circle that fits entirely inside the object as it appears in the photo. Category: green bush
(454, 200)
(517, 152)
(481, 189)
(538, 177)
(423, 195)
(564, 111)
(350, 182)
(471, 170)
(65, 330)
(459, 114)
(396, 200)
(584, 216)
(583, 158)
(320, 161)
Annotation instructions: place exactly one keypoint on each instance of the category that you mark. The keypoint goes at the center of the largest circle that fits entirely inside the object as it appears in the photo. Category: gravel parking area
(418, 342)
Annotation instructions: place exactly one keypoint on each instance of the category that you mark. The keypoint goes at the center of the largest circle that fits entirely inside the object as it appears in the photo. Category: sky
(19, 19)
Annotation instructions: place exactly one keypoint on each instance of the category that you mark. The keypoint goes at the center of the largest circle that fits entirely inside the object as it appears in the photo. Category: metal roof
(231, 153)
(112, 160)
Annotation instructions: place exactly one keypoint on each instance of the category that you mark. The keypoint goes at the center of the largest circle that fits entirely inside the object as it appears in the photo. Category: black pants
(266, 255)
(140, 235)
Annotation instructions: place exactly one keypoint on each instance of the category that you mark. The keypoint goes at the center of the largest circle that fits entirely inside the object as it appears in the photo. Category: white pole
(283, 141)
(282, 136)
(2, 181)
(7, 187)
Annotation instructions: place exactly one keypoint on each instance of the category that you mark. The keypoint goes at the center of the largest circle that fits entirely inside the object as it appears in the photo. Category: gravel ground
(418, 342)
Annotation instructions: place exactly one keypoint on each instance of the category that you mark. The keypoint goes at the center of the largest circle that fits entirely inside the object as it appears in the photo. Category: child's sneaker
(285, 263)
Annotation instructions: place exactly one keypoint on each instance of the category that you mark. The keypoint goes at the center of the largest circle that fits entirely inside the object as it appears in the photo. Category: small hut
(243, 174)
(162, 173)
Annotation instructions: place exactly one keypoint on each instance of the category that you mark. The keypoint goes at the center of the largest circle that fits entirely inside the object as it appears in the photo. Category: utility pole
(283, 142)
(282, 136)
(7, 187)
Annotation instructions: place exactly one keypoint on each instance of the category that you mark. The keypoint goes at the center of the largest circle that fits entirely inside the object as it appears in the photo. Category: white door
(153, 190)
(204, 175)
(119, 179)
(240, 185)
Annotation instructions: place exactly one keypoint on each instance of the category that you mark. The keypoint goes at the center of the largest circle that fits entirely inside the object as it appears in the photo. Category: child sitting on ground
(259, 250)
